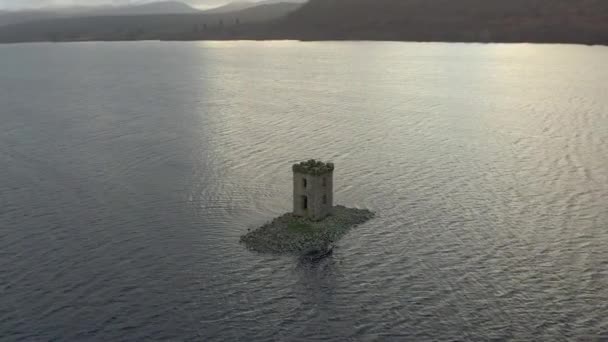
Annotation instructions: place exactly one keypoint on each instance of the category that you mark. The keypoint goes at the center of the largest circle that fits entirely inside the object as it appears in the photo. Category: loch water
(128, 172)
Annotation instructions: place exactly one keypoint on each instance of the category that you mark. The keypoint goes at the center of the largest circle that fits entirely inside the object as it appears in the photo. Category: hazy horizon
(43, 4)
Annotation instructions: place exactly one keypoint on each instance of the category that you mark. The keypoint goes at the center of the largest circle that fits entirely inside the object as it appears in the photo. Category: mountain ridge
(535, 21)
(150, 8)
(147, 27)
(241, 5)
(551, 21)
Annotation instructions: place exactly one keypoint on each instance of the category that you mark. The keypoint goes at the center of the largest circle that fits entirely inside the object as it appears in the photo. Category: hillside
(241, 5)
(161, 7)
(201, 25)
(16, 17)
(552, 21)
(568, 21)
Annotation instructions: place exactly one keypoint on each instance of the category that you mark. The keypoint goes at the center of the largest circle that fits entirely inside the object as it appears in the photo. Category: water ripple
(132, 169)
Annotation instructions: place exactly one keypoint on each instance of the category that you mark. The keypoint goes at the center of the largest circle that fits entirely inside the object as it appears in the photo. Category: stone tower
(313, 189)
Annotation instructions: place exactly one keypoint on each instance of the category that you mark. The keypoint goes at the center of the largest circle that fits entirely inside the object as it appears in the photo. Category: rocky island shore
(290, 234)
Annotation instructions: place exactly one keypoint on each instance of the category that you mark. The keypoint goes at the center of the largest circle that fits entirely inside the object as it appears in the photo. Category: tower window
(324, 181)
(324, 199)
(304, 182)
(304, 202)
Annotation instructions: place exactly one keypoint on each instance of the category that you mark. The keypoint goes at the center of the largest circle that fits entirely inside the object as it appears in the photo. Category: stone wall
(314, 191)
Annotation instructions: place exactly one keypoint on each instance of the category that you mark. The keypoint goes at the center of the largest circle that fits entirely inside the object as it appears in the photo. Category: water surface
(129, 171)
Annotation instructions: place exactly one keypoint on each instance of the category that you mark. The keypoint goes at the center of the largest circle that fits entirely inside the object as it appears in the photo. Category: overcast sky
(17, 4)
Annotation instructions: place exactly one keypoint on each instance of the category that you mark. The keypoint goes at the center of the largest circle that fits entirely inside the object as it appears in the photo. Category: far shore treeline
(546, 21)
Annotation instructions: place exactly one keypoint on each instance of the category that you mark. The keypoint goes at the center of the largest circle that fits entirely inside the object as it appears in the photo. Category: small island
(315, 223)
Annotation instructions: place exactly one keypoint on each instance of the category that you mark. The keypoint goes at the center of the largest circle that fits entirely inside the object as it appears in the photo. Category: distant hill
(15, 17)
(231, 7)
(567, 21)
(550, 21)
(161, 7)
(199, 25)
(241, 5)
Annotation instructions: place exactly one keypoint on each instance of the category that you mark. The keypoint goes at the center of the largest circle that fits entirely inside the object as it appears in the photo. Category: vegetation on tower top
(313, 167)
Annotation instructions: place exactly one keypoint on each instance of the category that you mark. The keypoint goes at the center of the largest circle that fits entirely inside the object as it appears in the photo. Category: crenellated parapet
(313, 167)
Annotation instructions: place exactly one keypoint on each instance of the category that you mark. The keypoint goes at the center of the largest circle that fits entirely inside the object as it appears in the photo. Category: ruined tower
(313, 186)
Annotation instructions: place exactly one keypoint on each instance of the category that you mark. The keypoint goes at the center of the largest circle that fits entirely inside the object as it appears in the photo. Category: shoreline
(298, 40)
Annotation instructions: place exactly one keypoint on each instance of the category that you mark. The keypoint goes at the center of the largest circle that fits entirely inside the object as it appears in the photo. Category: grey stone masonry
(313, 186)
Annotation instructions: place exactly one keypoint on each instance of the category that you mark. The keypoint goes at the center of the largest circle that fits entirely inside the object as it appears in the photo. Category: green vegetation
(295, 235)
(313, 167)
(299, 227)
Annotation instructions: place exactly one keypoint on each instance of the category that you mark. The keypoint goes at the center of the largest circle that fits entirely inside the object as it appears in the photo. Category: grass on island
(299, 227)
(290, 234)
